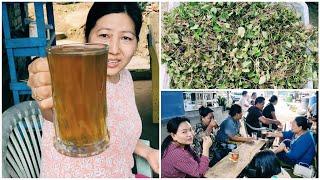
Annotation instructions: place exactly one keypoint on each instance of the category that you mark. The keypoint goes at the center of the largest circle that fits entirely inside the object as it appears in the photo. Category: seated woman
(298, 146)
(205, 127)
(265, 164)
(178, 160)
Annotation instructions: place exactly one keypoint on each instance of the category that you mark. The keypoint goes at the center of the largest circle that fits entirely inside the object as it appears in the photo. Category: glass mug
(264, 134)
(78, 76)
(254, 135)
(235, 155)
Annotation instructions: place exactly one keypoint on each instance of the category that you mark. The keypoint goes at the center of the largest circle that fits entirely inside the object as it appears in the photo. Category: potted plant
(222, 102)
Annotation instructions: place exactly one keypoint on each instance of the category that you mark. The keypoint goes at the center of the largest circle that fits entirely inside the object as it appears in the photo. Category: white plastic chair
(21, 139)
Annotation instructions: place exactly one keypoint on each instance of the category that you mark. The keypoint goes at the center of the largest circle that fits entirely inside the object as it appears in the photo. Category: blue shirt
(302, 149)
(229, 127)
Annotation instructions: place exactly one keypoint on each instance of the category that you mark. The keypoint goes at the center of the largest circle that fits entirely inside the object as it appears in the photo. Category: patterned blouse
(124, 125)
(179, 162)
(197, 141)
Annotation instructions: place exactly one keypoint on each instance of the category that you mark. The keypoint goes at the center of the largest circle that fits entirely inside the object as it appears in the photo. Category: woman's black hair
(264, 164)
(204, 111)
(235, 109)
(100, 9)
(273, 99)
(302, 121)
(172, 127)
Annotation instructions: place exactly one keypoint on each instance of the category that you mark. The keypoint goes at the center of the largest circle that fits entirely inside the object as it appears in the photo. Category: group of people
(246, 101)
(190, 152)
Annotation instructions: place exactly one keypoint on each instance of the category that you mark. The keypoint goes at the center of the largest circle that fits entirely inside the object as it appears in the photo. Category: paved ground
(285, 114)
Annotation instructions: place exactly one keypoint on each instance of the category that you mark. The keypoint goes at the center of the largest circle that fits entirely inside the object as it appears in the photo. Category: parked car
(235, 96)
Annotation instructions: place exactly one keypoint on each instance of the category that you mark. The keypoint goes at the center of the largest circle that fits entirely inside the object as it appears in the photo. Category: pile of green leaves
(238, 45)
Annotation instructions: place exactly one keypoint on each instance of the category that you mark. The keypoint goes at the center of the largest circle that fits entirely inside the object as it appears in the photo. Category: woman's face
(295, 128)
(206, 120)
(184, 134)
(275, 102)
(118, 31)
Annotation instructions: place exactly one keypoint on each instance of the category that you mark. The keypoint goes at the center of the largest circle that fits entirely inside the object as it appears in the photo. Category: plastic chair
(21, 139)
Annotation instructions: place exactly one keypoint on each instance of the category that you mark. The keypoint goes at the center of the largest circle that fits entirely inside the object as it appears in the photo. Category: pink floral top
(124, 125)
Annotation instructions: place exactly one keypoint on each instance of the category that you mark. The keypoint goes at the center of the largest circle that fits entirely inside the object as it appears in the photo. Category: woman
(253, 98)
(178, 160)
(269, 111)
(265, 164)
(118, 25)
(205, 127)
(298, 145)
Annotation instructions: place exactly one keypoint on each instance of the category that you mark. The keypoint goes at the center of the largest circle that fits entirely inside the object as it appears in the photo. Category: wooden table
(225, 168)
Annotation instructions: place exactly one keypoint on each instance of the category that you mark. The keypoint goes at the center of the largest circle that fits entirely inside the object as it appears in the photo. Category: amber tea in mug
(235, 155)
(78, 76)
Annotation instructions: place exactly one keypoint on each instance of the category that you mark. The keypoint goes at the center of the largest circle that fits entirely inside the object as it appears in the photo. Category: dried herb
(238, 45)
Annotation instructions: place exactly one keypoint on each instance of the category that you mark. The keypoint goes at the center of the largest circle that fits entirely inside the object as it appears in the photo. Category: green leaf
(265, 34)
(196, 26)
(246, 70)
(255, 80)
(288, 44)
(224, 16)
(227, 25)
(246, 64)
(214, 10)
(251, 75)
(241, 31)
(217, 28)
(262, 79)
(168, 58)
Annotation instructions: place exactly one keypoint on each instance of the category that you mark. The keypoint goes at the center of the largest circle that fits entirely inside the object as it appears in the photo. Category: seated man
(255, 117)
(230, 127)
(229, 130)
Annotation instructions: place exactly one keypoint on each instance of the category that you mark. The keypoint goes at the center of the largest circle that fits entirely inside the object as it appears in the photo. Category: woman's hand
(206, 144)
(40, 84)
(148, 153)
(153, 159)
(249, 140)
(213, 124)
(274, 134)
(282, 147)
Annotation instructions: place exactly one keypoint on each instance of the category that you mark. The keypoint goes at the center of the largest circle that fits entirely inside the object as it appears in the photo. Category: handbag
(303, 171)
